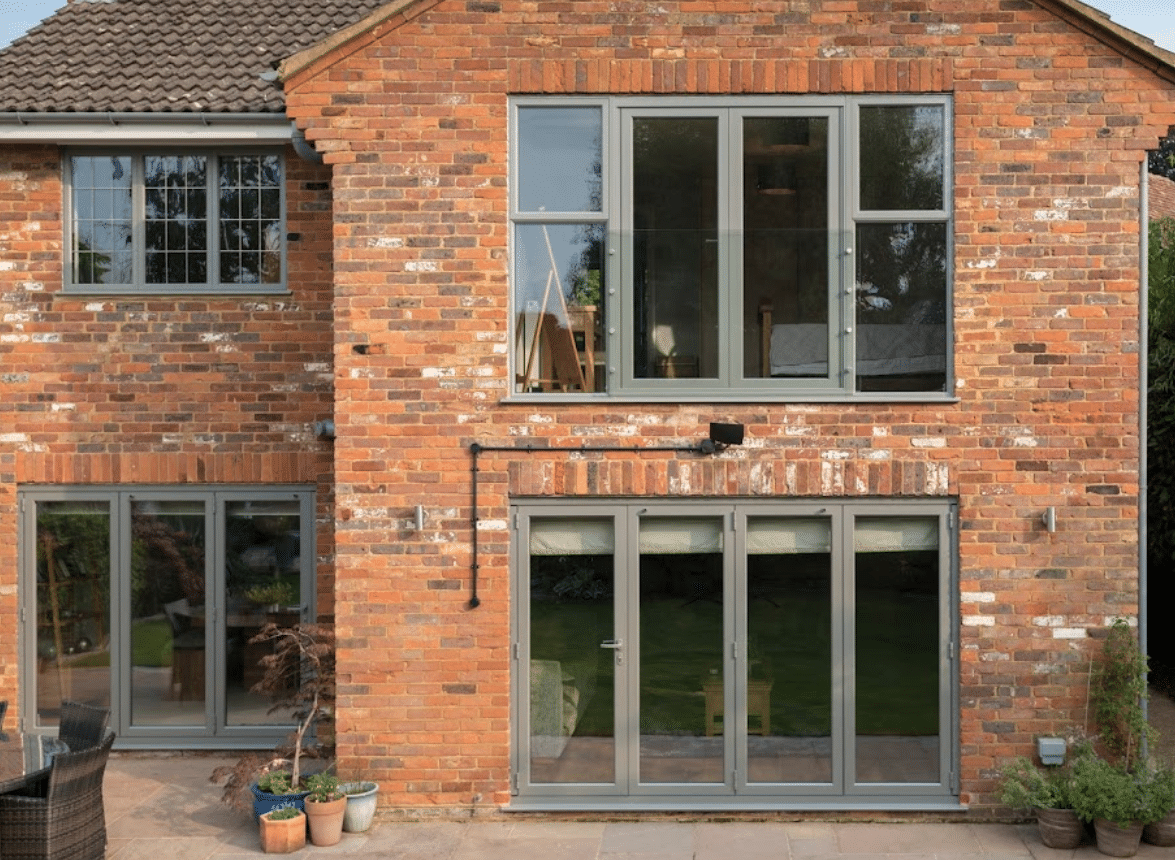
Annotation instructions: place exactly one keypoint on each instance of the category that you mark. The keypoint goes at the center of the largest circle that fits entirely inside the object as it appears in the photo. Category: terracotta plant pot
(362, 799)
(1117, 841)
(326, 820)
(284, 835)
(1161, 832)
(1059, 828)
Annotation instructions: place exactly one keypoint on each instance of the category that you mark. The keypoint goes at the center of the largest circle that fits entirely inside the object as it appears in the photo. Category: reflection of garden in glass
(789, 642)
(571, 613)
(897, 643)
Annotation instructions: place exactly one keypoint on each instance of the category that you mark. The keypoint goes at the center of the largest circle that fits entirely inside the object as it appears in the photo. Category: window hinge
(514, 782)
(514, 650)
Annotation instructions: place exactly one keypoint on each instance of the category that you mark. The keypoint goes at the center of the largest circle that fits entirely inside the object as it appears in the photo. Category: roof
(208, 57)
(99, 56)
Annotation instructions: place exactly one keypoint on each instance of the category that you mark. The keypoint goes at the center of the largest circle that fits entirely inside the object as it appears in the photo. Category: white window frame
(138, 284)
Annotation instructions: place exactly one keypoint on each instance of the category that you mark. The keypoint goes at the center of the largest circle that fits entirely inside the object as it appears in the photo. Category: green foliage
(1117, 694)
(1161, 396)
(323, 787)
(279, 592)
(1105, 790)
(284, 813)
(1024, 786)
(276, 782)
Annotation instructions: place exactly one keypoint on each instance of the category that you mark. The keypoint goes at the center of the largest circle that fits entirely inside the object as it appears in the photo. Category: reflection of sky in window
(102, 218)
(532, 266)
(559, 159)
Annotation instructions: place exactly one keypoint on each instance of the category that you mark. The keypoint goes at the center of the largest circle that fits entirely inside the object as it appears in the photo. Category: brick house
(684, 406)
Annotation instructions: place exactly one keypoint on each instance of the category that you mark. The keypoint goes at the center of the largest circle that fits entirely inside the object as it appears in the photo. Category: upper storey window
(741, 247)
(176, 222)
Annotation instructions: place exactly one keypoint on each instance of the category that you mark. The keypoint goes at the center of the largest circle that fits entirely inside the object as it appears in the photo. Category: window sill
(733, 397)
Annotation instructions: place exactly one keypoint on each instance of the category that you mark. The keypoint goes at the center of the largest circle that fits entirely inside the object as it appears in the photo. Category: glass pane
(789, 653)
(167, 613)
(176, 209)
(101, 200)
(902, 151)
(73, 606)
(785, 247)
(901, 307)
(559, 159)
(559, 307)
(682, 684)
(572, 672)
(675, 247)
(263, 583)
(898, 664)
(251, 231)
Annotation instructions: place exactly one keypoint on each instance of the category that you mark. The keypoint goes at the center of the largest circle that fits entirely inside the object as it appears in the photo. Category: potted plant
(283, 830)
(325, 807)
(1161, 831)
(362, 800)
(273, 790)
(1120, 802)
(1048, 795)
(299, 673)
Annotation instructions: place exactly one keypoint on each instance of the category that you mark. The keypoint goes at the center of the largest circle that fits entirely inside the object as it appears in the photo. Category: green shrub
(1024, 786)
(284, 813)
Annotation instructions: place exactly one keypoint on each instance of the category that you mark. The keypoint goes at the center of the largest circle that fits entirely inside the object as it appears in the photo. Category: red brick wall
(159, 389)
(1050, 126)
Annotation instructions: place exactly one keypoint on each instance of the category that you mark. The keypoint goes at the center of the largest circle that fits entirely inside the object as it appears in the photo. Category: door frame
(735, 792)
(213, 733)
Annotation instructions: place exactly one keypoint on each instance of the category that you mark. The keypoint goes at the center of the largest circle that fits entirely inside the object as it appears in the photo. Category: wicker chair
(57, 813)
(81, 725)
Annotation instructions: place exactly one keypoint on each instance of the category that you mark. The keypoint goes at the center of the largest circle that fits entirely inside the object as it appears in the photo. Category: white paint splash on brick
(63, 407)
(420, 266)
(386, 242)
(1120, 191)
(929, 442)
(995, 656)
(1049, 621)
(1036, 275)
(316, 367)
(437, 372)
(979, 621)
(1069, 633)
(214, 337)
(985, 263)
(977, 597)
(46, 338)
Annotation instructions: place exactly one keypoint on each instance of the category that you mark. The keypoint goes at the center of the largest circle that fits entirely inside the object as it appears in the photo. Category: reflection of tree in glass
(176, 208)
(92, 266)
(250, 226)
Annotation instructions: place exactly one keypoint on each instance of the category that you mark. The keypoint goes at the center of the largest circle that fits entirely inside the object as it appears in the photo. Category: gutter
(139, 127)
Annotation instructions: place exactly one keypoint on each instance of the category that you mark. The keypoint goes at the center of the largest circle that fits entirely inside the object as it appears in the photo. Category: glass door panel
(898, 650)
(682, 699)
(785, 182)
(789, 693)
(574, 651)
(72, 606)
(263, 584)
(168, 642)
(675, 222)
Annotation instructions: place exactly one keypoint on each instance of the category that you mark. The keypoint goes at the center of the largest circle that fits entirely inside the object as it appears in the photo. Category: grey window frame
(845, 217)
(139, 284)
(213, 734)
(737, 793)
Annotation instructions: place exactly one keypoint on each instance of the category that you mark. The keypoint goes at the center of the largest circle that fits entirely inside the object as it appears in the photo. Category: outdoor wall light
(1049, 518)
(1051, 750)
(722, 435)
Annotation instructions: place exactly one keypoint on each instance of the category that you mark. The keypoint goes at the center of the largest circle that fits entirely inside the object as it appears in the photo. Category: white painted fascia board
(142, 128)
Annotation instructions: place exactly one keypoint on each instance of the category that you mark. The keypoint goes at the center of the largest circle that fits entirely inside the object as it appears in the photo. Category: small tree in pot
(300, 674)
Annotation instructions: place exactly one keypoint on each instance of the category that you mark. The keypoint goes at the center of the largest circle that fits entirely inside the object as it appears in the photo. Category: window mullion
(139, 218)
(212, 214)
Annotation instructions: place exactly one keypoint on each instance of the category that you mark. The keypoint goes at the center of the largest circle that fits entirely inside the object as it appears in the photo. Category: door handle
(616, 645)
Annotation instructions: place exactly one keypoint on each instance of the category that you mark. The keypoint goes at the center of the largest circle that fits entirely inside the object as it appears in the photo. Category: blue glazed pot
(264, 802)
